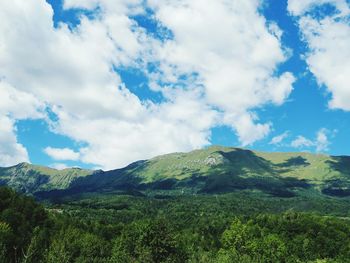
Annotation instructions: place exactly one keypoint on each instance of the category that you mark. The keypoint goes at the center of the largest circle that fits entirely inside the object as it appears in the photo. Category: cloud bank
(327, 35)
(207, 77)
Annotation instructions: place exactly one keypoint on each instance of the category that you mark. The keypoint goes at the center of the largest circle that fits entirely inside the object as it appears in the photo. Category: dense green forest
(235, 227)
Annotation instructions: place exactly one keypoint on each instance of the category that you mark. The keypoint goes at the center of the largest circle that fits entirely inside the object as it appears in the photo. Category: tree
(149, 241)
(5, 233)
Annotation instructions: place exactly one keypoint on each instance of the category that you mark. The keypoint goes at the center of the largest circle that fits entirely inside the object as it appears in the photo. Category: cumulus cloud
(62, 154)
(15, 105)
(298, 8)
(279, 138)
(235, 65)
(328, 39)
(18, 104)
(320, 143)
(59, 166)
(11, 152)
(301, 142)
(207, 76)
(247, 130)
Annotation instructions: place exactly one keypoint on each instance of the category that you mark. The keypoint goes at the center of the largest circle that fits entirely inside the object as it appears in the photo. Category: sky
(102, 83)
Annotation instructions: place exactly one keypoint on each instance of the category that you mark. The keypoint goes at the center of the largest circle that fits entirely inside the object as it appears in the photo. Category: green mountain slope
(28, 178)
(212, 170)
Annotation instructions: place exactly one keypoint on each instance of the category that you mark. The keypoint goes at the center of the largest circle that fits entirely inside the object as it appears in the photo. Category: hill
(28, 178)
(212, 170)
(283, 207)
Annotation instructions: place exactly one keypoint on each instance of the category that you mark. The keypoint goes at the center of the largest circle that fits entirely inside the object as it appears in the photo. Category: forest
(201, 228)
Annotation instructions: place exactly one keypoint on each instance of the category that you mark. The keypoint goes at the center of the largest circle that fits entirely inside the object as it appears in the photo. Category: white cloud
(18, 104)
(298, 8)
(328, 40)
(230, 72)
(11, 152)
(320, 143)
(59, 166)
(247, 130)
(62, 154)
(14, 105)
(279, 138)
(301, 142)
(235, 65)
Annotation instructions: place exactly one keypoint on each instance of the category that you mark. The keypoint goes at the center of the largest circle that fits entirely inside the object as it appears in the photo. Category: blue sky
(157, 83)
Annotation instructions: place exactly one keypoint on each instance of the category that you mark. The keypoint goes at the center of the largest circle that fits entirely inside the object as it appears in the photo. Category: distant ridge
(215, 169)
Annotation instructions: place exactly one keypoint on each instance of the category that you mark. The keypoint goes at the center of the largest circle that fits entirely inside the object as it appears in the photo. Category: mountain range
(211, 170)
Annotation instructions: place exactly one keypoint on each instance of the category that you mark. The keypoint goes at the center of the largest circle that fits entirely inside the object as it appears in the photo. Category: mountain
(28, 178)
(212, 170)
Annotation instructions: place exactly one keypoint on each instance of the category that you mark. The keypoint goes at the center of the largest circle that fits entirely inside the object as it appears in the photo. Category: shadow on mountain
(340, 164)
(3, 182)
(294, 161)
(122, 180)
(248, 160)
(278, 187)
(337, 188)
(244, 170)
(252, 172)
(27, 182)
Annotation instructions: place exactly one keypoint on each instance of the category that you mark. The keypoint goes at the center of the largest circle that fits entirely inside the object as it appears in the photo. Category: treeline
(121, 231)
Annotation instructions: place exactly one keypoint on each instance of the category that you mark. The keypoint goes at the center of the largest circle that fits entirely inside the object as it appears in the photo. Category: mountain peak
(23, 165)
(213, 169)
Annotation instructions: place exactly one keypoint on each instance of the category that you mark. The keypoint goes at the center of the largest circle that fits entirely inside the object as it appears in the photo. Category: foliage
(237, 227)
(148, 241)
(19, 217)
(290, 237)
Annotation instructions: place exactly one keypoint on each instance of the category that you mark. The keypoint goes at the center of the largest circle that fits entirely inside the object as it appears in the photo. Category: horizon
(187, 152)
(100, 84)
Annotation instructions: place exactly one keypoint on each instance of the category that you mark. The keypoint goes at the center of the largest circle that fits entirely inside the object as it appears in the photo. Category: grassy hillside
(315, 167)
(29, 178)
(212, 170)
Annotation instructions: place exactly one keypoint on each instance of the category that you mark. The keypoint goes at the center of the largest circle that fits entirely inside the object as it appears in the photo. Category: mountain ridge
(215, 169)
